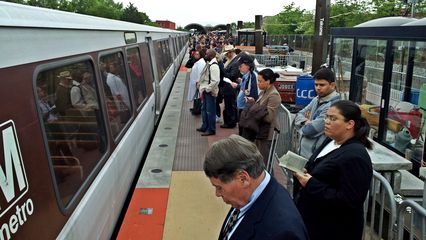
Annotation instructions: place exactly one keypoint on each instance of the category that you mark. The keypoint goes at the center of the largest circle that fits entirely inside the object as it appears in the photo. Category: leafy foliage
(343, 13)
(248, 25)
(131, 14)
(287, 21)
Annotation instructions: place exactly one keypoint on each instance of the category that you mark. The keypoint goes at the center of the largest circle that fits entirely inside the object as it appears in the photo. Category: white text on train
(17, 219)
(13, 170)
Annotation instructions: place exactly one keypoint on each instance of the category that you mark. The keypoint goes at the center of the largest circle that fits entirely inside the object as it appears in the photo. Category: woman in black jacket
(338, 177)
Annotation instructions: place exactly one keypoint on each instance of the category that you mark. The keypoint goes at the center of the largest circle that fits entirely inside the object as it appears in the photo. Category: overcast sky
(183, 12)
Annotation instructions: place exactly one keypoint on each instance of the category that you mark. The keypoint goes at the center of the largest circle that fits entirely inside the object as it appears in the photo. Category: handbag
(196, 107)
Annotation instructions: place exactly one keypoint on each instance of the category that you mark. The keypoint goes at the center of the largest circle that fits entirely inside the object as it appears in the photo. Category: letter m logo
(13, 179)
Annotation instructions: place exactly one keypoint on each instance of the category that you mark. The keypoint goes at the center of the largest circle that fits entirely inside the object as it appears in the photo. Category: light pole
(413, 6)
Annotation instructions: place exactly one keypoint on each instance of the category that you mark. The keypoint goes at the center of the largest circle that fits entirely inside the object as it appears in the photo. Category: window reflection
(69, 106)
(116, 91)
(136, 75)
(343, 64)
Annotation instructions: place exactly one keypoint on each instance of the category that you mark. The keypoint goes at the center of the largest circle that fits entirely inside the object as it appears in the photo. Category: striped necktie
(231, 222)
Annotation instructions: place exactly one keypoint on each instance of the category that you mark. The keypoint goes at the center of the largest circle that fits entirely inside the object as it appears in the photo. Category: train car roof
(17, 15)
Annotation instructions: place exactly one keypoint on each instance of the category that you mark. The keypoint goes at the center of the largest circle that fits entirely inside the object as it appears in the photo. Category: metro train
(80, 99)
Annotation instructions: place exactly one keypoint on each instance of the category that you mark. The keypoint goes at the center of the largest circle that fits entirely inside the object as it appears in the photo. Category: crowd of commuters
(328, 196)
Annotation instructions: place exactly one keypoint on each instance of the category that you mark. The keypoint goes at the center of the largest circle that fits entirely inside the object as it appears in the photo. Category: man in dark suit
(261, 207)
(232, 72)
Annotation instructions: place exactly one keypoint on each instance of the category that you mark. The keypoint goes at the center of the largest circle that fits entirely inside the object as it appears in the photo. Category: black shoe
(191, 109)
(208, 134)
(200, 130)
(226, 126)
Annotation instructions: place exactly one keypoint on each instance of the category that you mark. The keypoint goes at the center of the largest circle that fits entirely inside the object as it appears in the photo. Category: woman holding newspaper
(337, 177)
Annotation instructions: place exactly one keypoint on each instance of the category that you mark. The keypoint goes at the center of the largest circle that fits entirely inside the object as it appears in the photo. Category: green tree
(248, 25)
(131, 14)
(348, 13)
(100, 8)
(287, 21)
(52, 4)
(16, 1)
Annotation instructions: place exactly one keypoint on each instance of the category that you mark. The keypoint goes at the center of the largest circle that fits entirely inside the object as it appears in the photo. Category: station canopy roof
(386, 22)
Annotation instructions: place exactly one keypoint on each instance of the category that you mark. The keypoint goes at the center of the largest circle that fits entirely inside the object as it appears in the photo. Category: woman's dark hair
(351, 111)
(269, 75)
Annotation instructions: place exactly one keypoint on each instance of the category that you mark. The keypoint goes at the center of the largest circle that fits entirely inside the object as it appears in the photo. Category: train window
(116, 91)
(167, 52)
(136, 75)
(160, 59)
(163, 56)
(68, 100)
(130, 37)
(147, 69)
(175, 48)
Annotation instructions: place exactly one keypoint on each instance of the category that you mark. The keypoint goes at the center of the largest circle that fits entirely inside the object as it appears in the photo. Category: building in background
(166, 24)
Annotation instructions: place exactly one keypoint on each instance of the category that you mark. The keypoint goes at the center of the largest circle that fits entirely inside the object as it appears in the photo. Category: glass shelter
(381, 65)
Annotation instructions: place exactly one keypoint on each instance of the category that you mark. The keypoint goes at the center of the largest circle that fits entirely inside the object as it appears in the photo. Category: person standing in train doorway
(209, 89)
(261, 207)
(310, 120)
(337, 177)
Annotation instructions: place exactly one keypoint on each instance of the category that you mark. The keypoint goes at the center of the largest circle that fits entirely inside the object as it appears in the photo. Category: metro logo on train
(11, 169)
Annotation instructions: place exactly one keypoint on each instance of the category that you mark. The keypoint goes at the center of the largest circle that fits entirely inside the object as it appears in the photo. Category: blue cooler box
(305, 90)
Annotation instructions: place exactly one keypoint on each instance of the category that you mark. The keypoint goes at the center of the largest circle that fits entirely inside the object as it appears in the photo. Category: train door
(156, 81)
(173, 52)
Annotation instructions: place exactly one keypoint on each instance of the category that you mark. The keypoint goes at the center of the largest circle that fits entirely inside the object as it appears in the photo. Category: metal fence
(389, 217)
(381, 206)
(283, 60)
(415, 225)
(297, 42)
(282, 145)
(284, 119)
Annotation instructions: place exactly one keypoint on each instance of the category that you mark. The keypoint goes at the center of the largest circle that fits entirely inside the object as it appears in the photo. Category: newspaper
(293, 162)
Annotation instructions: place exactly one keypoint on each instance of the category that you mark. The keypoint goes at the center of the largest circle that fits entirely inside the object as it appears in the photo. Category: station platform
(173, 198)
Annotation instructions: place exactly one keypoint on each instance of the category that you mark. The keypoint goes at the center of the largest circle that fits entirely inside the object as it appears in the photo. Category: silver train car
(80, 97)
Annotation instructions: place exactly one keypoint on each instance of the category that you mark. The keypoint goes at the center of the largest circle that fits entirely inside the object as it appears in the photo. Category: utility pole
(320, 45)
(258, 34)
(413, 6)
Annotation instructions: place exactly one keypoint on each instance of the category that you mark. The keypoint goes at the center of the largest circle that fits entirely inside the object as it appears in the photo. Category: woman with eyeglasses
(337, 177)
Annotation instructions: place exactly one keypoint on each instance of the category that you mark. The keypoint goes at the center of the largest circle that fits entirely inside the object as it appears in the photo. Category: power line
(296, 24)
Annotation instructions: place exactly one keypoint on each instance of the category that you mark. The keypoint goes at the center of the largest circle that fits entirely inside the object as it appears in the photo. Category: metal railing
(380, 198)
(284, 119)
(416, 224)
(283, 60)
(283, 144)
